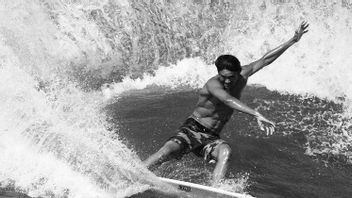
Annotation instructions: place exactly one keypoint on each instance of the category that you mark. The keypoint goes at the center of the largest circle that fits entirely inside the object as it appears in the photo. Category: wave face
(61, 59)
(317, 66)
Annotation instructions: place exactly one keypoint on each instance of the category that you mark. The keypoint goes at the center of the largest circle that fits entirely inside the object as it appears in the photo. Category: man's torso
(210, 111)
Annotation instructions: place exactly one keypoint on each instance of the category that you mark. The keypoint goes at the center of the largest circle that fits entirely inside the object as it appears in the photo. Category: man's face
(228, 78)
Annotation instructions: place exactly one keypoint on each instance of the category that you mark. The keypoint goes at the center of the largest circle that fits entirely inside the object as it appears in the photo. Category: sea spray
(54, 136)
(56, 142)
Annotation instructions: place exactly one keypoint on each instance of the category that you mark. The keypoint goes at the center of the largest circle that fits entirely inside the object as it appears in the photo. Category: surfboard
(191, 190)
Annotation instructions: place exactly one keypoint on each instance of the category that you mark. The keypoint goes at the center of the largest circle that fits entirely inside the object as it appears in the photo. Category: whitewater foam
(54, 137)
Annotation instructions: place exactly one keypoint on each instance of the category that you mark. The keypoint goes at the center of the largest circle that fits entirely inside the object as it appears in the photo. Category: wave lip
(192, 72)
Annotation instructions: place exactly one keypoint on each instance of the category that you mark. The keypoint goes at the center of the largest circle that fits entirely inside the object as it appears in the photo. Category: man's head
(229, 68)
(228, 62)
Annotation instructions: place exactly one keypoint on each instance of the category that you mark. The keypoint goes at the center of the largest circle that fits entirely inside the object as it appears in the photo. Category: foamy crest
(192, 72)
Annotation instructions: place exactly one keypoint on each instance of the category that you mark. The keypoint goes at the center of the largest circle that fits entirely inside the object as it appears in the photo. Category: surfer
(219, 97)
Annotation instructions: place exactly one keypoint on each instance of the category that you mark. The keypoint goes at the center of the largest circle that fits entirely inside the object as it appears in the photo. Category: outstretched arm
(216, 90)
(272, 55)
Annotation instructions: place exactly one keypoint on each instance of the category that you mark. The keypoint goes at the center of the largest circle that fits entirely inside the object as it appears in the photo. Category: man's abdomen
(211, 122)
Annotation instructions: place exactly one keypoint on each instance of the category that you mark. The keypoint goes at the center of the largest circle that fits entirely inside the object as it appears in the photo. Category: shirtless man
(217, 100)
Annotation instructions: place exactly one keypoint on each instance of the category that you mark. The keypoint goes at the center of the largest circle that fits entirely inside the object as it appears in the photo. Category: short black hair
(228, 62)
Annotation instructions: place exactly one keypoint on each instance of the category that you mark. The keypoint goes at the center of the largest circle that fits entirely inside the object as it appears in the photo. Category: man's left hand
(300, 31)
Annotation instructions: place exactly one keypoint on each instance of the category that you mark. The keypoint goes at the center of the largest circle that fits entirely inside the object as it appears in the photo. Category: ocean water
(89, 89)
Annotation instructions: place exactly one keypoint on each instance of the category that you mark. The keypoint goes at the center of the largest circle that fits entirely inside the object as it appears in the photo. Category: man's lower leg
(157, 158)
(163, 154)
(223, 158)
(220, 171)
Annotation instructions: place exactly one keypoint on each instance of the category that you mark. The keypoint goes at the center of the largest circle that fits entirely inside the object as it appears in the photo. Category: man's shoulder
(214, 86)
(246, 71)
(213, 83)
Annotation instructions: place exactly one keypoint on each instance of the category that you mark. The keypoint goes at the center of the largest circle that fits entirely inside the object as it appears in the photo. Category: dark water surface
(276, 166)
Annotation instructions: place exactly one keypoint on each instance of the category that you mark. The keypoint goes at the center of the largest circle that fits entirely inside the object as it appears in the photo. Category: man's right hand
(268, 129)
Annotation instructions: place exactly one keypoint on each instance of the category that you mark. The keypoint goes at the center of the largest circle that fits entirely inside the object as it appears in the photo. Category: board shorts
(194, 137)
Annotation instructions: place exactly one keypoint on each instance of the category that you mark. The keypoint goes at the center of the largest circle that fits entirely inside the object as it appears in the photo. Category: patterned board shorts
(194, 137)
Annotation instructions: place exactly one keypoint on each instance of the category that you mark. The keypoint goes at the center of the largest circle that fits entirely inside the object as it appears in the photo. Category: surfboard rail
(188, 189)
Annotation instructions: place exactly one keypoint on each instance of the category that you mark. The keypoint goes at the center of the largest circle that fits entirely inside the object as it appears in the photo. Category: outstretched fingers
(300, 31)
(304, 26)
(269, 129)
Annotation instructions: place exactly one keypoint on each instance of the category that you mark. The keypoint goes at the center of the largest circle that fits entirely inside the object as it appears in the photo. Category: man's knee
(170, 147)
(165, 153)
(225, 152)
